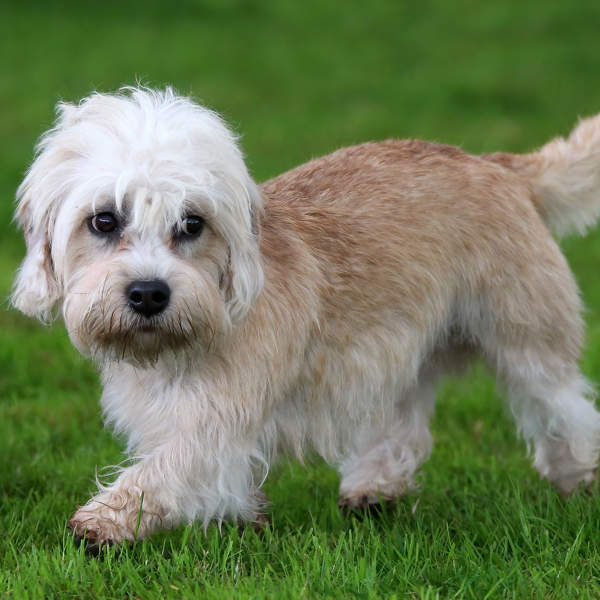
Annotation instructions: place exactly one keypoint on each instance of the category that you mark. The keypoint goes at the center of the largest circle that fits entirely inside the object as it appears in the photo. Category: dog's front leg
(181, 481)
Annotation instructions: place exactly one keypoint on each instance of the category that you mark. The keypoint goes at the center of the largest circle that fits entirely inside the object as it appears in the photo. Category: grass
(298, 80)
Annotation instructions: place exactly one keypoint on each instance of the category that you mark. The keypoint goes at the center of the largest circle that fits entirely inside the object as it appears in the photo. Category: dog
(231, 321)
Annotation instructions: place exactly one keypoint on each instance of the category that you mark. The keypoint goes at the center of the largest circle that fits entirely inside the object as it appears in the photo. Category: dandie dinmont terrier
(231, 321)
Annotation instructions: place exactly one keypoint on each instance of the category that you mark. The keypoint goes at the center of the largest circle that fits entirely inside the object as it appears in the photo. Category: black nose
(148, 297)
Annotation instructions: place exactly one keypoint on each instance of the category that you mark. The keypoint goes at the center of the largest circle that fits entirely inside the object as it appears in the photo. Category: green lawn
(299, 79)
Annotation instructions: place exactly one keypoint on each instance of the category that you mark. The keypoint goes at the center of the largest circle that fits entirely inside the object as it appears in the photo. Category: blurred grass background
(297, 80)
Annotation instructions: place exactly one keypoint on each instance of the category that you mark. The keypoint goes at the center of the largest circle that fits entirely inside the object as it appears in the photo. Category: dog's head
(140, 220)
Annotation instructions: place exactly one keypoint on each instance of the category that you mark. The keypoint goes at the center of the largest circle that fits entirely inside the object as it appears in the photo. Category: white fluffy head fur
(150, 157)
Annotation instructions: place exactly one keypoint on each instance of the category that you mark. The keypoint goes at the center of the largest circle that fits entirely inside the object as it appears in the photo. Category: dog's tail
(565, 177)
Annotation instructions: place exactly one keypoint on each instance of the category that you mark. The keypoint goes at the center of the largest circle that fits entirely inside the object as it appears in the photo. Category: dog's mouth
(150, 331)
(147, 328)
(126, 335)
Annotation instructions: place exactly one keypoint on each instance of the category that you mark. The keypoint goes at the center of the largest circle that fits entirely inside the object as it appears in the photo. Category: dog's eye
(103, 223)
(192, 226)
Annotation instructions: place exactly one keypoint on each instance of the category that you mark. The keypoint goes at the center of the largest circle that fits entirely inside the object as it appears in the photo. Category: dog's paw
(584, 482)
(115, 516)
(94, 532)
(365, 504)
(261, 519)
(261, 522)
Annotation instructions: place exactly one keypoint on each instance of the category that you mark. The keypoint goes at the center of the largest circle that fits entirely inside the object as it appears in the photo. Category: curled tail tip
(587, 132)
(567, 183)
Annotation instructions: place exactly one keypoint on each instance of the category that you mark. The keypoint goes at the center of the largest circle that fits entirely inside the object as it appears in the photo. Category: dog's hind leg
(558, 420)
(384, 458)
(531, 333)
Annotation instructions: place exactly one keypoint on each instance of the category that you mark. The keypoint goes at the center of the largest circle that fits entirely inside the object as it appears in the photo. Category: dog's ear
(36, 289)
(243, 279)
